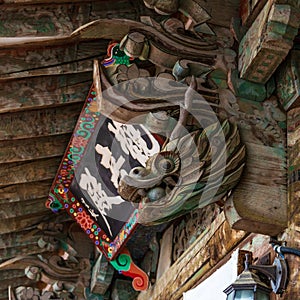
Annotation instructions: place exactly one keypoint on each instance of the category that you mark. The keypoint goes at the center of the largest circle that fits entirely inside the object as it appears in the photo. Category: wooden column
(165, 256)
(292, 234)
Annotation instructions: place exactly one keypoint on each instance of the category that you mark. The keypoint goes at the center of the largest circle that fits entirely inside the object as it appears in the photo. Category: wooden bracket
(125, 266)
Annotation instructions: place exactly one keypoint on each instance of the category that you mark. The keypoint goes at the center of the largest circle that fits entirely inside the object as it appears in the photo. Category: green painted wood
(34, 148)
(294, 3)
(247, 89)
(122, 290)
(37, 123)
(102, 275)
(268, 41)
(288, 81)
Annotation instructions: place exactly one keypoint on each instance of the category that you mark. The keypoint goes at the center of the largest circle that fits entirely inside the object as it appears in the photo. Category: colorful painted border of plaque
(60, 196)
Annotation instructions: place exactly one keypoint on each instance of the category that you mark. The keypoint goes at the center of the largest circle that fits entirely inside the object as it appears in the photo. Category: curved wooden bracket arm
(124, 265)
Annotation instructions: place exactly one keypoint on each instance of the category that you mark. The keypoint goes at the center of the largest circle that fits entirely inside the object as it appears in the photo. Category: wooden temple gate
(242, 57)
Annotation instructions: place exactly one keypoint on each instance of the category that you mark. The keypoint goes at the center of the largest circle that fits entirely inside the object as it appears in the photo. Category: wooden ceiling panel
(21, 238)
(38, 123)
(35, 148)
(23, 172)
(22, 192)
(51, 60)
(24, 221)
(44, 19)
(14, 210)
(12, 252)
(43, 91)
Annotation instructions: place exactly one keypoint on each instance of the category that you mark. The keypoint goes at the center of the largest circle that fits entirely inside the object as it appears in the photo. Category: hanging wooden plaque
(99, 153)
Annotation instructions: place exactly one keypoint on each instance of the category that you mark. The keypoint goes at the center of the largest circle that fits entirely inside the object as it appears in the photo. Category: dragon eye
(167, 162)
(137, 172)
(166, 165)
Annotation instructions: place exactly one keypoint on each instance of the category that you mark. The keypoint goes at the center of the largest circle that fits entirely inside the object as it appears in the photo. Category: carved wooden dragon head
(190, 171)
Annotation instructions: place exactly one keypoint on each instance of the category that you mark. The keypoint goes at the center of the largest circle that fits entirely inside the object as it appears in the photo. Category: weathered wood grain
(70, 57)
(292, 234)
(23, 172)
(14, 283)
(13, 210)
(19, 281)
(288, 82)
(122, 9)
(191, 227)
(165, 255)
(25, 191)
(5, 274)
(51, 23)
(260, 122)
(268, 42)
(79, 67)
(47, 61)
(177, 279)
(43, 20)
(24, 179)
(259, 202)
(30, 2)
(14, 224)
(122, 289)
(266, 165)
(30, 149)
(249, 11)
(20, 238)
(292, 237)
(43, 91)
(37, 123)
(163, 55)
(220, 17)
(34, 42)
(8, 253)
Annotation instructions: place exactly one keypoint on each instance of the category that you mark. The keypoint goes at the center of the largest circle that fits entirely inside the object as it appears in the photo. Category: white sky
(212, 288)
